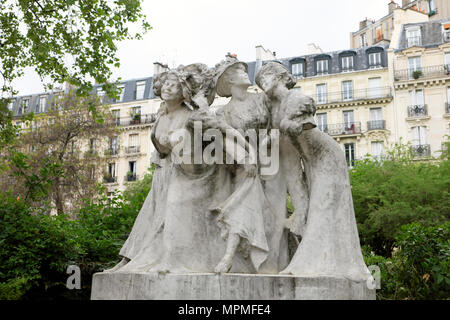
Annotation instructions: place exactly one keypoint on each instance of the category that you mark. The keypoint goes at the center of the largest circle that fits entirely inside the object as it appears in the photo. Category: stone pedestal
(152, 286)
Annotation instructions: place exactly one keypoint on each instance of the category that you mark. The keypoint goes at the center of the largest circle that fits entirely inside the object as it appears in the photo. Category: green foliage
(420, 265)
(37, 249)
(395, 192)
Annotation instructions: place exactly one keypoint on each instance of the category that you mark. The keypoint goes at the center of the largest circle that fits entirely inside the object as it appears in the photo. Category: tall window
(42, 104)
(413, 37)
(377, 149)
(114, 147)
(417, 106)
(93, 145)
(297, 69)
(116, 116)
(376, 119)
(374, 59)
(321, 92)
(121, 89)
(374, 88)
(349, 120)
(447, 107)
(24, 106)
(419, 136)
(101, 95)
(350, 154)
(347, 63)
(132, 171)
(322, 122)
(140, 88)
(11, 105)
(414, 64)
(133, 143)
(322, 66)
(347, 90)
(112, 169)
(363, 40)
(447, 61)
(431, 6)
(378, 34)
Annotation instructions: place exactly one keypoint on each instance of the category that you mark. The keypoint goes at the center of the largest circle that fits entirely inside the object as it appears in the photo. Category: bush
(395, 192)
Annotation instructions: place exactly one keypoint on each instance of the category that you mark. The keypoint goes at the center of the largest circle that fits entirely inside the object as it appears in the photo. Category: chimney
(159, 67)
(313, 49)
(363, 24)
(264, 54)
(392, 5)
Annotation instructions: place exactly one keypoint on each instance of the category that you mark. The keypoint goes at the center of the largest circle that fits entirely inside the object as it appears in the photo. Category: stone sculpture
(206, 225)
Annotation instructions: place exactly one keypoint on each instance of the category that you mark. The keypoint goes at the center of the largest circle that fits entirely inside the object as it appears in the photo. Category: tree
(70, 41)
(59, 156)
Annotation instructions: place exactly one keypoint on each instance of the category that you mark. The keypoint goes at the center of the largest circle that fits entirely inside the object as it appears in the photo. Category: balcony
(133, 149)
(131, 177)
(376, 125)
(419, 110)
(353, 95)
(110, 179)
(421, 150)
(343, 128)
(135, 120)
(112, 152)
(421, 73)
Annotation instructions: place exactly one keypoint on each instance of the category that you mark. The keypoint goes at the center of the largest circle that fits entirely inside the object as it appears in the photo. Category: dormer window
(446, 32)
(297, 69)
(375, 57)
(140, 88)
(121, 89)
(11, 105)
(100, 95)
(413, 36)
(347, 60)
(322, 66)
(25, 103)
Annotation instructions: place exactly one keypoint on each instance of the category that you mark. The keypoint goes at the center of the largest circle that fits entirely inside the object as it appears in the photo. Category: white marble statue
(330, 242)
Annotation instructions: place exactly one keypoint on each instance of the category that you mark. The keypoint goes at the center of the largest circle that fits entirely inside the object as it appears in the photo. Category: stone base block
(152, 286)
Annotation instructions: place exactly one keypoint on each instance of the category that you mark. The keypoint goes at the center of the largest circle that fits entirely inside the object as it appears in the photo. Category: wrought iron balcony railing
(108, 179)
(421, 150)
(133, 149)
(344, 128)
(419, 110)
(421, 73)
(135, 120)
(446, 36)
(131, 177)
(376, 125)
(352, 95)
(112, 152)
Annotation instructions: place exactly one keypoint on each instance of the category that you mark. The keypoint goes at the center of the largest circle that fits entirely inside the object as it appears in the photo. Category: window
(322, 66)
(386, 30)
(376, 119)
(116, 116)
(431, 7)
(42, 104)
(347, 90)
(414, 64)
(447, 62)
(121, 92)
(347, 63)
(413, 37)
(297, 69)
(363, 40)
(321, 92)
(112, 169)
(419, 136)
(114, 146)
(132, 170)
(349, 123)
(135, 111)
(322, 122)
(417, 107)
(378, 34)
(140, 88)
(299, 89)
(374, 88)
(377, 149)
(133, 143)
(11, 105)
(93, 145)
(24, 106)
(101, 95)
(374, 59)
(350, 154)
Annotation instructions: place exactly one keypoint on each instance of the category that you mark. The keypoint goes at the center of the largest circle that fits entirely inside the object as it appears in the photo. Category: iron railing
(344, 128)
(421, 73)
(421, 150)
(135, 120)
(110, 179)
(133, 149)
(418, 110)
(131, 177)
(112, 152)
(376, 125)
(352, 95)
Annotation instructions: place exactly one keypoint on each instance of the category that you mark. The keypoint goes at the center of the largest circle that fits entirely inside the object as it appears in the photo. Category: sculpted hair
(278, 69)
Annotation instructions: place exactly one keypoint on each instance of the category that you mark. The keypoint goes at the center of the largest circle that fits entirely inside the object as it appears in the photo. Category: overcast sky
(188, 31)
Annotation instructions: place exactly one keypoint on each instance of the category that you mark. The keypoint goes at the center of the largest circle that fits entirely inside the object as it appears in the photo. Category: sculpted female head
(184, 83)
(231, 72)
(273, 73)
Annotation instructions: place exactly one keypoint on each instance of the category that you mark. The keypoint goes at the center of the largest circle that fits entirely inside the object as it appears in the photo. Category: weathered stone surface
(209, 286)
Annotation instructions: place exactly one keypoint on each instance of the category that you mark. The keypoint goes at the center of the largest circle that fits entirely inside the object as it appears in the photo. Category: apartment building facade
(420, 72)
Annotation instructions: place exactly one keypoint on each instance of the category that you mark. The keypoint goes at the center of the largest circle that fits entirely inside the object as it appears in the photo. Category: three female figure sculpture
(190, 205)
